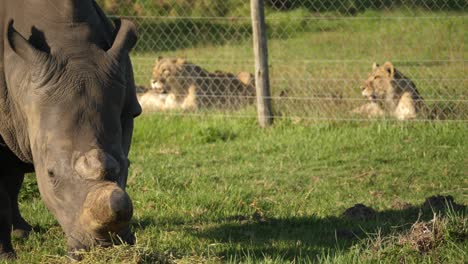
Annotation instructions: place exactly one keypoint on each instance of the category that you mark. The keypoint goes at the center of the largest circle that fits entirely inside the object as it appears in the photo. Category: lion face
(379, 82)
(166, 72)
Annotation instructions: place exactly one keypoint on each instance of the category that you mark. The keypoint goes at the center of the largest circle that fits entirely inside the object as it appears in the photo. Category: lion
(151, 100)
(206, 89)
(390, 92)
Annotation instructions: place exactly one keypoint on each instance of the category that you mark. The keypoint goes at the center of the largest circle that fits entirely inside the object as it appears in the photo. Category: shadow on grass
(144, 223)
(298, 238)
(310, 237)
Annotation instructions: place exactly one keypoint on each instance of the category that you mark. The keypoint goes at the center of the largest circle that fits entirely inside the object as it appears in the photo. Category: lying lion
(389, 92)
(188, 86)
(151, 100)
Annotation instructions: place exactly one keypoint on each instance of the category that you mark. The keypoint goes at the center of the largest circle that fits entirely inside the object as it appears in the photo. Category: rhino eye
(50, 173)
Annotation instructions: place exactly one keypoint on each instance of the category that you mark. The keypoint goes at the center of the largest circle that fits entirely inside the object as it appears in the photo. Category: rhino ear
(21, 46)
(125, 39)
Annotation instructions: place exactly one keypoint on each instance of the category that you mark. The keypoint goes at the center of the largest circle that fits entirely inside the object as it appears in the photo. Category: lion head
(387, 83)
(379, 82)
(174, 75)
(391, 90)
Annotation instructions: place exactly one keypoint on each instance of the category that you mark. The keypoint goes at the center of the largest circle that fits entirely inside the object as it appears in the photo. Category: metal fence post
(262, 81)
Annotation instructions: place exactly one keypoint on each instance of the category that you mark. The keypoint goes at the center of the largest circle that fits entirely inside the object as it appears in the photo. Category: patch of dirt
(238, 218)
(256, 217)
(359, 212)
(169, 151)
(259, 217)
(441, 203)
(423, 236)
(401, 205)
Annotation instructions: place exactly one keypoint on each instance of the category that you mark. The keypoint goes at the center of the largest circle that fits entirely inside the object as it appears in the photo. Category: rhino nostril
(121, 205)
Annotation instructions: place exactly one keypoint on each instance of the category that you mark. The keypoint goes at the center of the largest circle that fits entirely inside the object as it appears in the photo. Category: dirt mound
(441, 203)
(359, 212)
(423, 236)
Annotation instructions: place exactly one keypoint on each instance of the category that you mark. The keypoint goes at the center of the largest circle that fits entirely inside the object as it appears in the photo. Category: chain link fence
(321, 55)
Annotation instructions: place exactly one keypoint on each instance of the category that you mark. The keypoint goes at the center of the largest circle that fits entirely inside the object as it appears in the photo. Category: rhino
(67, 107)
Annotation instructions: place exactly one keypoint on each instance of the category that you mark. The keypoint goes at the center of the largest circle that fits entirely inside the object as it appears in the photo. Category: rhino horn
(97, 165)
(125, 39)
(23, 48)
(107, 209)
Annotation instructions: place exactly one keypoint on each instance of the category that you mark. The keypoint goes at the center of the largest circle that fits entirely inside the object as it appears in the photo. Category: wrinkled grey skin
(67, 103)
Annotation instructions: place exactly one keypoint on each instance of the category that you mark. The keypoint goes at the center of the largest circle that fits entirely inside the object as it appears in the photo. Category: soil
(423, 236)
(441, 203)
(359, 212)
(400, 205)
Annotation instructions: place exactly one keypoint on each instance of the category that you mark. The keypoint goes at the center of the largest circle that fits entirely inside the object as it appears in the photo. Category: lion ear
(245, 77)
(388, 66)
(374, 66)
(160, 58)
(181, 61)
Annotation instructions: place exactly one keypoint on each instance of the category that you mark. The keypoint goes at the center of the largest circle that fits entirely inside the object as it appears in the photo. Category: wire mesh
(320, 54)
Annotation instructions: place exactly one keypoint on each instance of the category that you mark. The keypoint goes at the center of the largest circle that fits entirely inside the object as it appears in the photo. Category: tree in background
(223, 8)
(205, 8)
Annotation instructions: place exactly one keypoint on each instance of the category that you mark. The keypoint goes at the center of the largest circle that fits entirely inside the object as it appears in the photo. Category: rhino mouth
(103, 220)
(78, 244)
(84, 241)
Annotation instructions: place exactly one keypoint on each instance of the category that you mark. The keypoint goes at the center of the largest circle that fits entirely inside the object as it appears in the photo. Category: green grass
(215, 190)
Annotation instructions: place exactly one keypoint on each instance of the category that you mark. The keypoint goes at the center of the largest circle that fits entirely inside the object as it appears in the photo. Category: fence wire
(196, 57)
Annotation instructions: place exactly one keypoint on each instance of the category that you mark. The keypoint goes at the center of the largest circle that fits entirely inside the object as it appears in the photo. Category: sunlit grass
(215, 190)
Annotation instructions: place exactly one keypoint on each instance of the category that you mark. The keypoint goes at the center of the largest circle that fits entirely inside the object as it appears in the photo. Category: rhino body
(67, 104)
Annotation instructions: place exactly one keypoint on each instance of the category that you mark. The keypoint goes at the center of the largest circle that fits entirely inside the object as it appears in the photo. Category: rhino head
(77, 106)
